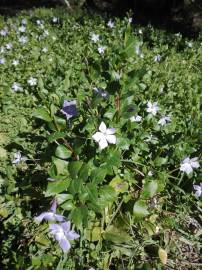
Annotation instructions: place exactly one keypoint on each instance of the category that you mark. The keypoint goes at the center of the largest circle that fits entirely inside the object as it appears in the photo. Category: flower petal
(66, 226)
(59, 218)
(198, 193)
(110, 131)
(103, 143)
(111, 139)
(102, 127)
(97, 136)
(64, 244)
(72, 235)
(46, 215)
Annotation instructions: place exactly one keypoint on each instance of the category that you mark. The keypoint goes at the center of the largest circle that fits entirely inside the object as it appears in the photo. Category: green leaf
(58, 186)
(79, 216)
(116, 235)
(55, 136)
(74, 168)
(63, 152)
(159, 161)
(119, 185)
(140, 210)
(107, 196)
(149, 189)
(43, 114)
(61, 166)
(98, 175)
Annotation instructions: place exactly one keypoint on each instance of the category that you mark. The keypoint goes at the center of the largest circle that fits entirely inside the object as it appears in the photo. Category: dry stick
(76, 157)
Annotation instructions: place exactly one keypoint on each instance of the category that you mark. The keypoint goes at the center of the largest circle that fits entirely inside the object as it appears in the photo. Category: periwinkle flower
(136, 118)
(164, 120)
(55, 20)
(17, 158)
(110, 24)
(23, 39)
(15, 62)
(16, 87)
(4, 32)
(105, 136)
(152, 108)
(8, 46)
(63, 234)
(22, 29)
(157, 58)
(198, 190)
(95, 38)
(50, 215)
(2, 61)
(32, 81)
(101, 49)
(69, 109)
(188, 164)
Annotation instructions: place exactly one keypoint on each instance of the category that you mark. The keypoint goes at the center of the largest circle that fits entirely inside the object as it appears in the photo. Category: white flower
(189, 44)
(110, 24)
(130, 20)
(45, 33)
(32, 81)
(136, 118)
(104, 136)
(45, 50)
(24, 21)
(140, 31)
(8, 46)
(55, 19)
(95, 38)
(16, 87)
(23, 39)
(157, 58)
(17, 158)
(164, 120)
(2, 61)
(101, 49)
(15, 62)
(22, 29)
(188, 164)
(152, 108)
(2, 50)
(4, 32)
(198, 189)
(150, 173)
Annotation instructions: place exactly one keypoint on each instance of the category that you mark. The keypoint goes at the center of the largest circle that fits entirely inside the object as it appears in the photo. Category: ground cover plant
(100, 144)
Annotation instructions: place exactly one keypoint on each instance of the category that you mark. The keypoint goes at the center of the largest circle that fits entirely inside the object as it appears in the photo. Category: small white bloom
(2, 50)
(110, 24)
(152, 108)
(39, 22)
(55, 19)
(136, 118)
(24, 21)
(164, 120)
(45, 33)
(17, 158)
(101, 49)
(32, 81)
(198, 189)
(189, 44)
(8, 46)
(104, 136)
(157, 58)
(22, 29)
(23, 39)
(130, 20)
(150, 173)
(2, 61)
(45, 50)
(16, 87)
(188, 164)
(15, 62)
(4, 32)
(140, 31)
(95, 38)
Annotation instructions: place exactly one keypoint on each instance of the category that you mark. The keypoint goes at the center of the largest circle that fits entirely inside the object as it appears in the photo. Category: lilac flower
(198, 189)
(50, 215)
(157, 58)
(24, 21)
(95, 38)
(23, 39)
(152, 108)
(69, 109)
(63, 234)
(110, 24)
(16, 87)
(188, 165)
(105, 136)
(4, 32)
(136, 118)
(8, 46)
(101, 92)
(164, 120)
(17, 158)
(101, 49)
(32, 81)
(2, 61)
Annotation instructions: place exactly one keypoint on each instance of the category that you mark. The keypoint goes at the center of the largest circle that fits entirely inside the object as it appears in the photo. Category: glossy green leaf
(43, 114)
(63, 152)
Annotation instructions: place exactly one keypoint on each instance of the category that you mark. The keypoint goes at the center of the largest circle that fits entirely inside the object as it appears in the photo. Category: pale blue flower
(63, 234)
(198, 189)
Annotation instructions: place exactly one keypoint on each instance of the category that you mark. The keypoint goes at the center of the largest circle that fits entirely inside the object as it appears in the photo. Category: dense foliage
(99, 119)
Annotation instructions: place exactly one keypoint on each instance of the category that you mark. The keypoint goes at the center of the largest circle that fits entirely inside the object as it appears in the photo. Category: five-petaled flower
(101, 49)
(136, 118)
(110, 24)
(164, 120)
(17, 158)
(69, 109)
(63, 234)
(95, 38)
(198, 190)
(16, 87)
(104, 136)
(32, 81)
(188, 164)
(152, 108)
